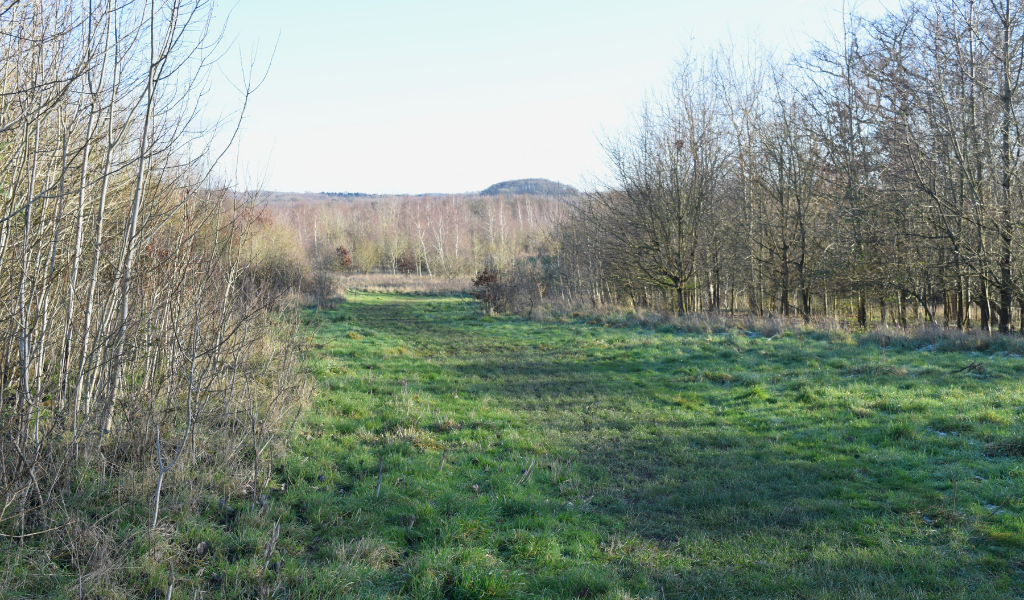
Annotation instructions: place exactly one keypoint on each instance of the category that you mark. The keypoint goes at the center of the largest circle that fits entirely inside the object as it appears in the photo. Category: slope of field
(453, 455)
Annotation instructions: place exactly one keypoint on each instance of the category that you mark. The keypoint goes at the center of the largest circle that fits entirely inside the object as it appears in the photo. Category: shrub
(485, 289)
(408, 263)
(344, 258)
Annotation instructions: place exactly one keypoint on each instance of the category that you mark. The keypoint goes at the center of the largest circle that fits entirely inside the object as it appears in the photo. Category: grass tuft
(900, 431)
(1007, 448)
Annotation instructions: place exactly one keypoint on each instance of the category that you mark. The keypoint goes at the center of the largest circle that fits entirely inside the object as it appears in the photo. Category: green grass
(582, 461)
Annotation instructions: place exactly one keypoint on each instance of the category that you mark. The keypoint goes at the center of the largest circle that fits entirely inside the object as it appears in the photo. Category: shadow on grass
(729, 509)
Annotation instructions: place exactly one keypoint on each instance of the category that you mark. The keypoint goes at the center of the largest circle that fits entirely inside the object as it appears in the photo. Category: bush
(485, 289)
(517, 290)
(344, 258)
(408, 263)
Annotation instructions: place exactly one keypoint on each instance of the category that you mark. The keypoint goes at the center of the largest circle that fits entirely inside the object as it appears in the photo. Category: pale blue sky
(402, 96)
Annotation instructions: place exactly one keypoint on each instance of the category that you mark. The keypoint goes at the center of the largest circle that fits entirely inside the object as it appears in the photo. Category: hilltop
(535, 187)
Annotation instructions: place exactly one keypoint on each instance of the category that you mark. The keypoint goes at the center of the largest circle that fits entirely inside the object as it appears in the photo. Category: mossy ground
(582, 461)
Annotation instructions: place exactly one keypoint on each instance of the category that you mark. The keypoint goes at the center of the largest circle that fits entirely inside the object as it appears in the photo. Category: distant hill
(531, 187)
(536, 187)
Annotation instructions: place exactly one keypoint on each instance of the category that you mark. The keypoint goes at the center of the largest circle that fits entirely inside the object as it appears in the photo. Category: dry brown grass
(927, 337)
(366, 553)
(701, 323)
(944, 339)
(423, 284)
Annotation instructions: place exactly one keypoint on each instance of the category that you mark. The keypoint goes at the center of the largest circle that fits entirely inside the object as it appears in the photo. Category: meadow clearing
(454, 455)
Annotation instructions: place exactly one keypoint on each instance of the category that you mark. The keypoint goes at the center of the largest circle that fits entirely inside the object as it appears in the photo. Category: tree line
(877, 175)
(306, 245)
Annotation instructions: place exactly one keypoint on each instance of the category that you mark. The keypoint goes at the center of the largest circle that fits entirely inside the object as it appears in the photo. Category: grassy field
(516, 459)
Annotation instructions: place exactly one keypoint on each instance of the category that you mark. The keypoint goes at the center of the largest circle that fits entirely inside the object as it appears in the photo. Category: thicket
(877, 176)
(309, 245)
(145, 369)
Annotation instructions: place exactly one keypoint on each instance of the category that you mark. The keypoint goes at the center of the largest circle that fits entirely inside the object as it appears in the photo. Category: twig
(275, 533)
(527, 472)
(443, 457)
(25, 535)
(992, 512)
(380, 474)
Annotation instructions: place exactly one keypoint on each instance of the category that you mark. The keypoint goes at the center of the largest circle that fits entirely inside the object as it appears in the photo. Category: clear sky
(404, 96)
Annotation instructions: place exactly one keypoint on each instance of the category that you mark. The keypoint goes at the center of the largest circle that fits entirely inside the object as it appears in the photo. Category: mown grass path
(573, 460)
